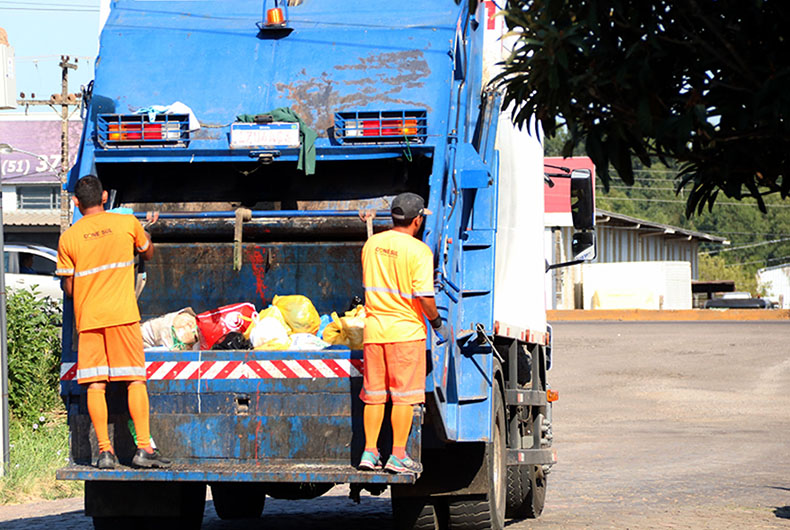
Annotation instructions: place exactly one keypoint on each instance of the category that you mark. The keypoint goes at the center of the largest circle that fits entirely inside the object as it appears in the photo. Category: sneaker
(106, 460)
(370, 461)
(143, 458)
(402, 465)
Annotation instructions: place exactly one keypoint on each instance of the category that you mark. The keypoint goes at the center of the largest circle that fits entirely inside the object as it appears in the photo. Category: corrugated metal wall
(617, 244)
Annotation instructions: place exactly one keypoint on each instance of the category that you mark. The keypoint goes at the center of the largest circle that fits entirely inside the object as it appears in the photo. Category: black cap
(407, 206)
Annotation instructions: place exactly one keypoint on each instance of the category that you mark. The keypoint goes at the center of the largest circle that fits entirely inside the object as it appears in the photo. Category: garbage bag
(325, 321)
(307, 341)
(270, 334)
(233, 340)
(347, 330)
(270, 312)
(176, 331)
(299, 313)
(213, 325)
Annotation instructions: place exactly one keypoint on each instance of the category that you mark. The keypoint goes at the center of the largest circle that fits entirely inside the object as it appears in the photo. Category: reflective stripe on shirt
(109, 266)
(64, 272)
(387, 290)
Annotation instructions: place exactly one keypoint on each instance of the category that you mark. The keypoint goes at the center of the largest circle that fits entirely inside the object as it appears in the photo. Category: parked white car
(30, 266)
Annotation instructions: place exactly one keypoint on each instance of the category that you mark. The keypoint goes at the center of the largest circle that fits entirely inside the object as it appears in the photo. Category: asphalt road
(659, 425)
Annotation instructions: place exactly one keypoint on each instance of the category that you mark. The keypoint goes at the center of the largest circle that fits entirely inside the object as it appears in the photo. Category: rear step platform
(239, 473)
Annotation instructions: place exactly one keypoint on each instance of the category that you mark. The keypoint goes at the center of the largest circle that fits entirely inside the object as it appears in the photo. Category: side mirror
(583, 246)
(582, 200)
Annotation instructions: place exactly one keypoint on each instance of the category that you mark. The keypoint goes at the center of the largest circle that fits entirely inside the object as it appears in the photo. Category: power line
(767, 260)
(46, 4)
(638, 188)
(751, 205)
(750, 245)
(754, 233)
(38, 58)
(58, 9)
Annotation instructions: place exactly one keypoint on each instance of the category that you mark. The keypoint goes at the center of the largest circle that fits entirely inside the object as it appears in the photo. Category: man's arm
(428, 304)
(68, 286)
(149, 252)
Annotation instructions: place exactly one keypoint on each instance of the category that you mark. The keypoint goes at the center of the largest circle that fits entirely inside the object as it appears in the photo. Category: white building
(776, 281)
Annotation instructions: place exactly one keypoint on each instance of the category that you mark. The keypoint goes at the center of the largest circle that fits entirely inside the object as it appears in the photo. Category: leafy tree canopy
(705, 83)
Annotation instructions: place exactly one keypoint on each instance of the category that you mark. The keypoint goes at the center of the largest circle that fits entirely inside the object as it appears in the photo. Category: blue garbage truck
(258, 131)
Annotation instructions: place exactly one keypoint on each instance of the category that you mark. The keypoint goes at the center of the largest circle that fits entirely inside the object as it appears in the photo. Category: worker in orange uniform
(96, 261)
(397, 270)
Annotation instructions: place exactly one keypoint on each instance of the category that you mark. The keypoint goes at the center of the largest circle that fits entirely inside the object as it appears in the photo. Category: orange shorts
(111, 354)
(396, 369)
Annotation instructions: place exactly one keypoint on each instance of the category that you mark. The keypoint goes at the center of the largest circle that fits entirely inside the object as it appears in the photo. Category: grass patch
(38, 448)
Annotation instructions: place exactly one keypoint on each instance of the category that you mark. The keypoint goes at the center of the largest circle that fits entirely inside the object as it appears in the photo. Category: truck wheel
(487, 513)
(526, 491)
(416, 513)
(238, 501)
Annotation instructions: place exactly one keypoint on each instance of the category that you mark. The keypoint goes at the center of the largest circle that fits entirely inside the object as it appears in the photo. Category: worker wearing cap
(397, 270)
(96, 261)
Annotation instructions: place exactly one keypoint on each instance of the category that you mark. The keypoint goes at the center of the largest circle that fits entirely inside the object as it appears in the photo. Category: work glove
(442, 333)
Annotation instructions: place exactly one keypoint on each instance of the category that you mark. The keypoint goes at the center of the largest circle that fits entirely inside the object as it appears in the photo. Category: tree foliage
(705, 83)
(757, 240)
(714, 268)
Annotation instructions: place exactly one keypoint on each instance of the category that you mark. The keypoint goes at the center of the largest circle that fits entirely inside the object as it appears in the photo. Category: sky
(43, 30)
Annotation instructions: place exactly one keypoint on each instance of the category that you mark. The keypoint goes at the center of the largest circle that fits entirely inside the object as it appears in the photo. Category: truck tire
(526, 491)
(416, 513)
(234, 500)
(473, 513)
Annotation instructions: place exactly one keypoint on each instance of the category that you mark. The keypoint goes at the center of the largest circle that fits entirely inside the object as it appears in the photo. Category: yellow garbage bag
(269, 312)
(347, 330)
(268, 330)
(270, 334)
(298, 312)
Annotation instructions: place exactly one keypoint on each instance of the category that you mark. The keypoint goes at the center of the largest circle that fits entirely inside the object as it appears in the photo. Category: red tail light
(389, 127)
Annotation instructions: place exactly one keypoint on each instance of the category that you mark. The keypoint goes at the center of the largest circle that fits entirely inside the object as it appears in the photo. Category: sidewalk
(38, 509)
(559, 315)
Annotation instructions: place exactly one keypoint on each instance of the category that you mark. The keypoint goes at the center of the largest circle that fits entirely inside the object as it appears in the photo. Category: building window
(37, 197)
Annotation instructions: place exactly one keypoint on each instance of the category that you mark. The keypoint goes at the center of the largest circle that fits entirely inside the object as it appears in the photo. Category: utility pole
(64, 100)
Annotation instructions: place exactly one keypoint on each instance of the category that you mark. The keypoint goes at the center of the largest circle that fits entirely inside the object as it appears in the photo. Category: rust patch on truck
(317, 98)
(259, 260)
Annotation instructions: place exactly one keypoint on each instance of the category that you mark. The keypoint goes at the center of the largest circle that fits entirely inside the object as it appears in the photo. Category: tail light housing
(383, 127)
(138, 130)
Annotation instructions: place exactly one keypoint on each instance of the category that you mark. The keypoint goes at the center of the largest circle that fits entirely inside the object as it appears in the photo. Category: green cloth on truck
(307, 136)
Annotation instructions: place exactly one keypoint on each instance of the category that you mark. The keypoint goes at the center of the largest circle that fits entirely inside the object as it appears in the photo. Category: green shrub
(38, 448)
(34, 348)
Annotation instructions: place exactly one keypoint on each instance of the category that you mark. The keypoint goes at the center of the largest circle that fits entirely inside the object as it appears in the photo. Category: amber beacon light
(275, 14)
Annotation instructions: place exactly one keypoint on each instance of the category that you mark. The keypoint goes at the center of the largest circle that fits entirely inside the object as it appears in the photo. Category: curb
(691, 315)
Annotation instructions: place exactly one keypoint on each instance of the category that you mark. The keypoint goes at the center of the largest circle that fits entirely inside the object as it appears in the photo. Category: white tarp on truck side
(519, 298)
(520, 275)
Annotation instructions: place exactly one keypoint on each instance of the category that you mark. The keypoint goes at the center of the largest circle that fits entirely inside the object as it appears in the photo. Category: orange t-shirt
(396, 268)
(98, 250)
